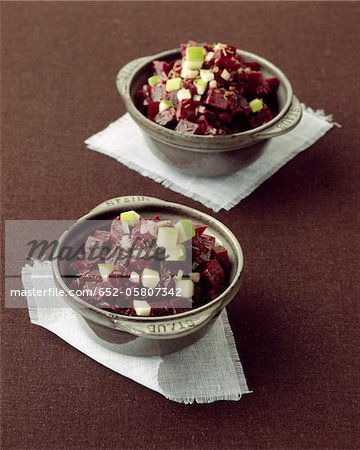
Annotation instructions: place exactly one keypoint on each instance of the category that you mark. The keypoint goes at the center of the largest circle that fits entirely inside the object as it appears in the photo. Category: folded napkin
(123, 141)
(207, 371)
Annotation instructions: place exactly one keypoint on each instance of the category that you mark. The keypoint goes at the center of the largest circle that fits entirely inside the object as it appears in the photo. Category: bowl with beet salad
(147, 277)
(208, 109)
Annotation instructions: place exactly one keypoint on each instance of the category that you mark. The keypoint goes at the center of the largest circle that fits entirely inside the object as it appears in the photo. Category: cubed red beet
(216, 98)
(221, 254)
(214, 273)
(153, 109)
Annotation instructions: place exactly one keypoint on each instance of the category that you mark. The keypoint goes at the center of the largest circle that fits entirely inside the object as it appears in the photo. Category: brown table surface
(296, 320)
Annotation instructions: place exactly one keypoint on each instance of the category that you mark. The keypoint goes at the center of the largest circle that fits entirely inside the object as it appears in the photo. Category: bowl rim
(264, 63)
(110, 315)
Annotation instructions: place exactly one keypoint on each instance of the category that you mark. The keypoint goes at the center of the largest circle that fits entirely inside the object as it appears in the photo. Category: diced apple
(142, 308)
(176, 254)
(184, 94)
(225, 75)
(165, 104)
(189, 73)
(209, 56)
(134, 277)
(200, 86)
(153, 81)
(186, 230)
(206, 75)
(174, 84)
(186, 288)
(256, 105)
(194, 276)
(167, 237)
(131, 217)
(150, 278)
(105, 270)
(197, 98)
(213, 84)
(195, 57)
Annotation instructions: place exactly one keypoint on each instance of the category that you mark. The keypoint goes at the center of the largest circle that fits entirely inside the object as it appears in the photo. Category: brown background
(297, 318)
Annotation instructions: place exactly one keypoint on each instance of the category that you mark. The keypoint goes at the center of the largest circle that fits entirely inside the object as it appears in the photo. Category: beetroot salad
(211, 90)
(149, 266)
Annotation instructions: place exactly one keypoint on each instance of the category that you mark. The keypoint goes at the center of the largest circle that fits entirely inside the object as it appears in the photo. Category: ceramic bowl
(147, 336)
(208, 155)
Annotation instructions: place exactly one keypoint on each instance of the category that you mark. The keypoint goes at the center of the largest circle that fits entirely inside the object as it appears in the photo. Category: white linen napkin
(123, 141)
(205, 372)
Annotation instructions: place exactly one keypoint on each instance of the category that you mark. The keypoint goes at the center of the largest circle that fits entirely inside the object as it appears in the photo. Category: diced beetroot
(214, 273)
(157, 93)
(221, 254)
(117, 230)
(161, 66)
(153, 109)
(184, 126)
(165, 118)
(261, 117)
(187, 109)
(273, 84)
(252, 64)
(228, 63)
(216, 98)
(199, 229)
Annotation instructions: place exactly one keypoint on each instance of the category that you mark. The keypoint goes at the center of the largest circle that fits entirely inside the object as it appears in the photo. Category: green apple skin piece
(195, 57)
(153, 81)
(206, 75)
(256, 105)
(142, 308)
(186, 288)
(167, 237)
(105, 270)
(131, 217)
(186, 230)
(174, 84)
(150, 278)
(165, 104)
(176, 254)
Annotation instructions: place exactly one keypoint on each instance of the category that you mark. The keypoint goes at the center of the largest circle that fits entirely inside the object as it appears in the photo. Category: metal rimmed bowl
(208, 155)
(147, 336)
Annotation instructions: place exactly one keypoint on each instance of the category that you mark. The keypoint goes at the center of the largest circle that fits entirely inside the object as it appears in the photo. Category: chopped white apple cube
(142, 308)
(105, 270)
(165, 104)
(184, 94)
(177, 253)
(197, 98)
(209, 56)
(213, 84)
(202, 109)
(206, 75)
(173, 84)
(167, 237)
(126, 242)
(200, 86)
(150, 278)
(225, 75)
(180, 274)
(186, 288)
(131, 217)
(186, 230)
(189, 73)
(134, 277)
(194, 276)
